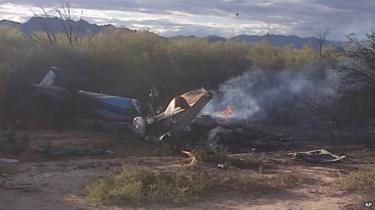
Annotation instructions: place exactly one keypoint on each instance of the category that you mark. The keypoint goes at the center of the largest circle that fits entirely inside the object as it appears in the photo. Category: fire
(228, 111)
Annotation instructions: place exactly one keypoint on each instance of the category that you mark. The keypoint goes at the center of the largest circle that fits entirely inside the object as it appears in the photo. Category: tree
(64, 14)
(358, 73)
(321, 38)
(352, 108)
(45, 26)
(359, 62)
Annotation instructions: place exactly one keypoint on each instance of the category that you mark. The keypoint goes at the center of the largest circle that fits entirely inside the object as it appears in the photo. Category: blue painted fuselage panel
(111, 107)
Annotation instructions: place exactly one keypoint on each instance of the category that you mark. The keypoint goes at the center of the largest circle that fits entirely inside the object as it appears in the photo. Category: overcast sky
(215, 17)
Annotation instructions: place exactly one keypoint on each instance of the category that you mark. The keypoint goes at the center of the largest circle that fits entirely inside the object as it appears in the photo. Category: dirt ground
(47, 182)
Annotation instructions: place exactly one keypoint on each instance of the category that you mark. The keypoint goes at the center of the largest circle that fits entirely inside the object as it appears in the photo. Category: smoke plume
(259, 95)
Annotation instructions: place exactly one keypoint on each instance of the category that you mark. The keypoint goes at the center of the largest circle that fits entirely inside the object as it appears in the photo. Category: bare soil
(55, 182)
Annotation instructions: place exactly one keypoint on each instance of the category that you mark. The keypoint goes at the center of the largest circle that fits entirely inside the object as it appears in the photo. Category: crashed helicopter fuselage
(126, 111)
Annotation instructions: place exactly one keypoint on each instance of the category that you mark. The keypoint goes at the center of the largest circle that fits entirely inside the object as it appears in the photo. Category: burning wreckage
(182, 117)
(125, 112)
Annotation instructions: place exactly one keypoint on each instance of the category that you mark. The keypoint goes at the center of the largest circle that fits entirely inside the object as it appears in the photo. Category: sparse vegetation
(137, 184)
(266, 183)
(362, 180)
(130, 58)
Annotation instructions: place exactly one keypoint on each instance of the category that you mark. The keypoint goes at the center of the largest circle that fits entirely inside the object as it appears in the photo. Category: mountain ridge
(82, 27)
(55, 25)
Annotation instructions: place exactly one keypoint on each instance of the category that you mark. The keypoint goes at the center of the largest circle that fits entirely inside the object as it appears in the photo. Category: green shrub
(141, 184)
(130, 63)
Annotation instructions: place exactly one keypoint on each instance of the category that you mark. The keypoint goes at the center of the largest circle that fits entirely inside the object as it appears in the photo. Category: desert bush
(358, 77)
(136, 184)
(269, 57)
(140, 184)
(128, 64)
(361, 182)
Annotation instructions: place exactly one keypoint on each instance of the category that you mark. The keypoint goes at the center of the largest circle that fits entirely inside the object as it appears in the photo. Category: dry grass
(265, 183)
(140, 184)
(362, 180)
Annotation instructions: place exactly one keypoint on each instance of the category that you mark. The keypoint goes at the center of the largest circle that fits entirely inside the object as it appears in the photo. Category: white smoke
(263, 94)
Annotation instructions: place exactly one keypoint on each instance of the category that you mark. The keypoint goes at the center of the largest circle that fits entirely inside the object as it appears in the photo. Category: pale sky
(215, 17)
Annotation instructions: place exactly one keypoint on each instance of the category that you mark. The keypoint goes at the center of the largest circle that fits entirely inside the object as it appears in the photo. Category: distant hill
(37, 24)
(9, 24)
(276, 40)
(215, 38)
(282, 40)
(55, 25)
(210, 38)
(181, 37)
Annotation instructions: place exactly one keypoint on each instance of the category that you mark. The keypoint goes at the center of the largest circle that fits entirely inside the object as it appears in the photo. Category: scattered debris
(222, 166)
(212, 133)
(238, 139)
(193, 158)
(318, 156)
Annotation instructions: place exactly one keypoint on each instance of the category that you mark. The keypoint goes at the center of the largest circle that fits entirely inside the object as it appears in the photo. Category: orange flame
(228, 111)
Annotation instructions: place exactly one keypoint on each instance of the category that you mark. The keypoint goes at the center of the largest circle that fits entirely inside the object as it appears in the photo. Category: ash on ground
(238, 137)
